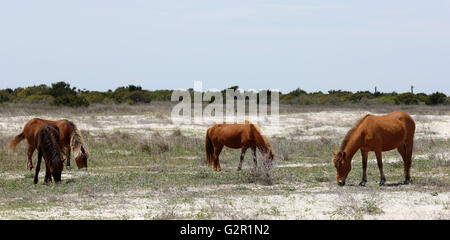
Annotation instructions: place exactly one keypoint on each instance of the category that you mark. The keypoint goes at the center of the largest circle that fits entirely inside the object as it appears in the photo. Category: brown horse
(378, 134)
(235, 135)
(48, 145)
(70, 138)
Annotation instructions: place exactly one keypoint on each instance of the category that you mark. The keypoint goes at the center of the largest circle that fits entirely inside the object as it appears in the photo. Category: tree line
(62, 94)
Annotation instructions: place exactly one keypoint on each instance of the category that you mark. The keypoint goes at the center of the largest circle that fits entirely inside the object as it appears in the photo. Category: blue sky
(313, 45)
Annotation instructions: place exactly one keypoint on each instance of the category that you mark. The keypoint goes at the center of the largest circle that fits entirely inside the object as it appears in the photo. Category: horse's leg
(254, 157)
(380, 167)
(243, 150)
(38, 167)
(30, 152)
(364, 155)
(216, 163)
(402, 151)
(48, 175)
(68, 157)
(407, 166)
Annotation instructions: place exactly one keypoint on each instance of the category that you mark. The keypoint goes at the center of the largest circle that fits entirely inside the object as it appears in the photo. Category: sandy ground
(310, 125)
(320, 202)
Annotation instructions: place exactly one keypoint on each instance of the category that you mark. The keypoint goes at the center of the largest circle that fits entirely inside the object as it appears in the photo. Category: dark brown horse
(70, 138)
(235, 135)
(49, 146)
(378, 134)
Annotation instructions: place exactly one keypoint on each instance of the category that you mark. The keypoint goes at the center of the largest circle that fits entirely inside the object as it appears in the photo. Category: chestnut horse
(378, 134)
(235, 135)
(70, 138)
(48, 145)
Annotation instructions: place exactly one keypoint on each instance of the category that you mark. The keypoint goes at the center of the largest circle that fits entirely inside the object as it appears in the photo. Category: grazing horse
(48, 145)
(235, 135)
(378, 134)
(70, 138)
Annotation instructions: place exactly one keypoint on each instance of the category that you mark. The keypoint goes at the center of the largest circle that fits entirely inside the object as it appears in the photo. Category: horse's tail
(15, 141)
(76, 141)
(209, 149)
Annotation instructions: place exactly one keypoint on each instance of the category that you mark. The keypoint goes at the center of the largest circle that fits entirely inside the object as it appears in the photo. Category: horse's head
(269, 155)
(343, 166)
(81, 158)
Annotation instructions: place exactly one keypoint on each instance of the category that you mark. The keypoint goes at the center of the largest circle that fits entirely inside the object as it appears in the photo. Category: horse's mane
(350, 132)
(77, 141)
(50, 143)
(264, 137)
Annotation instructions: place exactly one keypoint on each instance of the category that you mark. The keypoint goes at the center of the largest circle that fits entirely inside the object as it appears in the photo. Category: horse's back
(230, 134)
(64, 127)
(31, 128)
(405, 120)
(388, 131)
(35, 123)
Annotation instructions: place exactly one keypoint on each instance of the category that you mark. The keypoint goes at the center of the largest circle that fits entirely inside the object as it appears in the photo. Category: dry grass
(349, 205)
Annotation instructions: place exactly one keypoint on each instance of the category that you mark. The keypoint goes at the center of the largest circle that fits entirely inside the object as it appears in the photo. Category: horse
(48, 145)
(70, 138)
(235, 135)
(378, 134)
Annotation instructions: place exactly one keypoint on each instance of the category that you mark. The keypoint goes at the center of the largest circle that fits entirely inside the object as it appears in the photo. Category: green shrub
(360, 96)
(5, 95)
(71, 101)
(61, 89)
(436, 98)
(94, 97)
(406, 98)
(39, 99)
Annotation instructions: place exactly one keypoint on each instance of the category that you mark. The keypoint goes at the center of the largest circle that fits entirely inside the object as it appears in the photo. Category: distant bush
(94, 97)
(34, 90)
(61, 89)
(360, 96)
(385, 100)
(71, 101)
(5, 95)
(436, 98)
(406, 98)
(39, 99)
(62, 94)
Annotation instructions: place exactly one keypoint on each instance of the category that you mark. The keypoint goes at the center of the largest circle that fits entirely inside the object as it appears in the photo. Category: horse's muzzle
(341, 183)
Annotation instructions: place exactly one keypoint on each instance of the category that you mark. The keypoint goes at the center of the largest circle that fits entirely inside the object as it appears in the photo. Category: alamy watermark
(235, 103)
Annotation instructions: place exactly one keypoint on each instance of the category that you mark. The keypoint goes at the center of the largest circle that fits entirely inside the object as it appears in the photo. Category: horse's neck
(354, 144)
(263, 147)
(261, 143)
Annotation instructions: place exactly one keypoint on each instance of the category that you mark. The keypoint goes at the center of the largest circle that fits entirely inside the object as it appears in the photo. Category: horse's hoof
(382, 183)
(362, 183)
(406, 182)
(239, 169)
